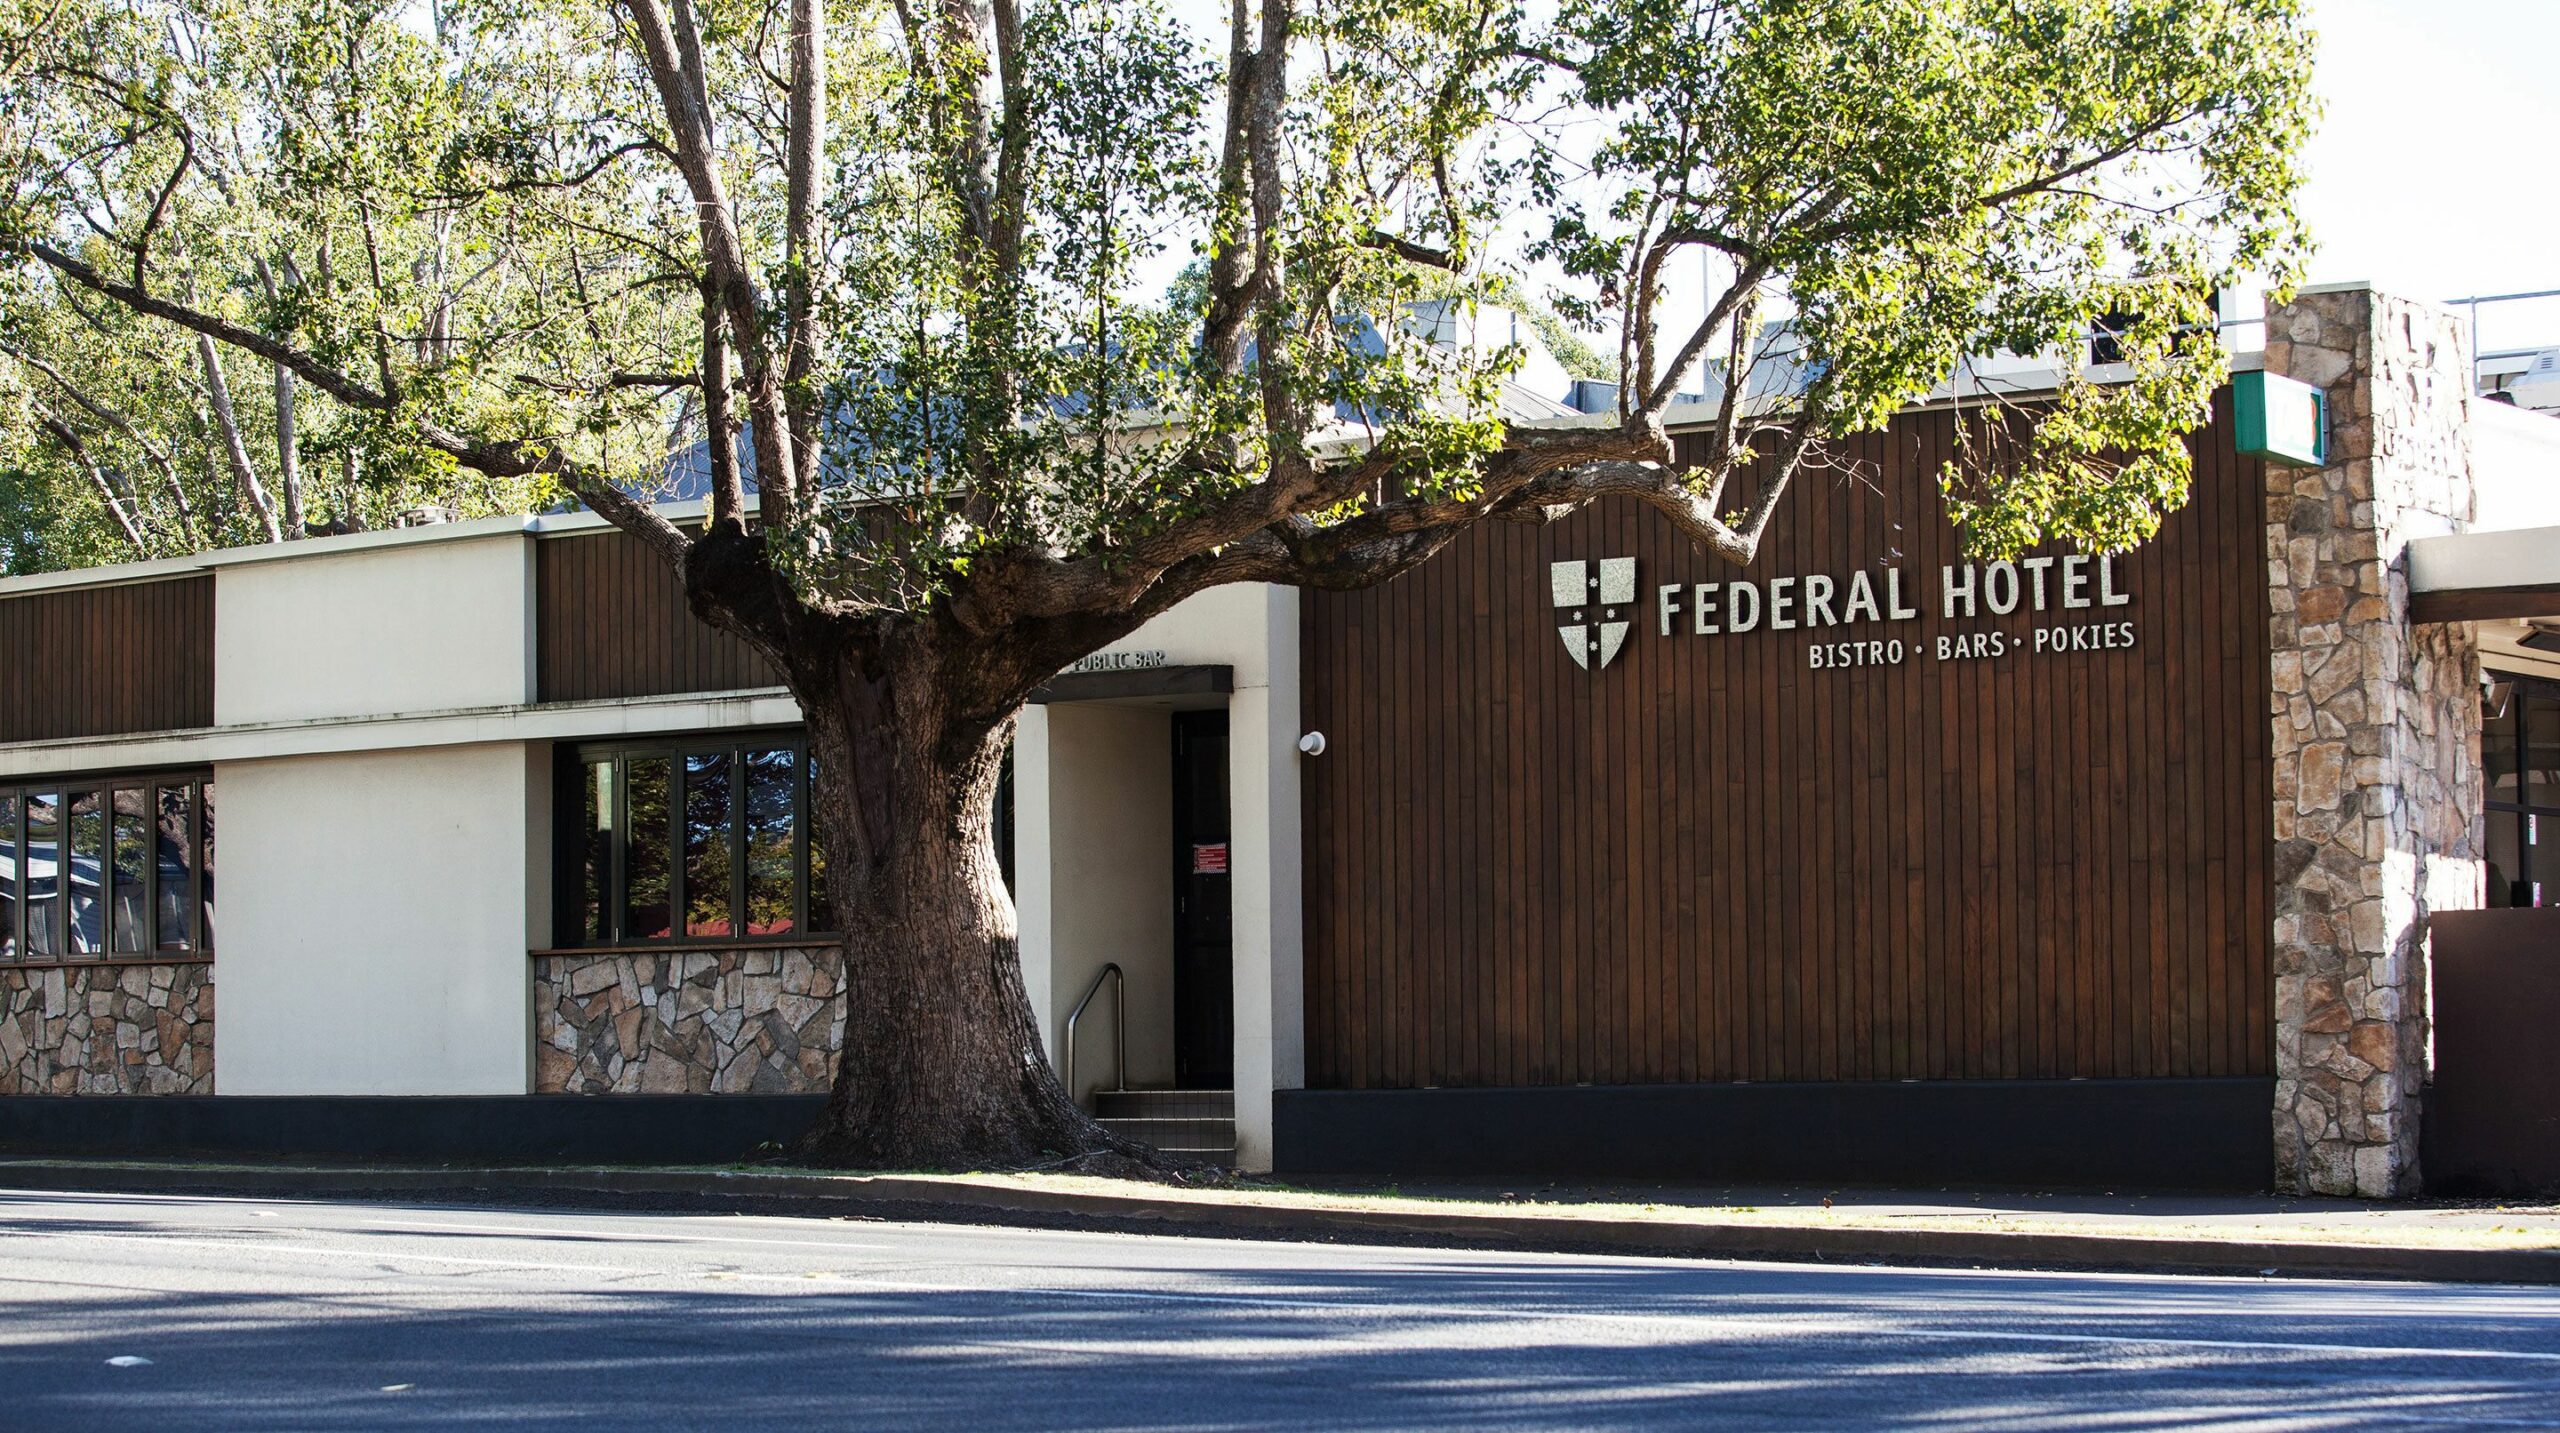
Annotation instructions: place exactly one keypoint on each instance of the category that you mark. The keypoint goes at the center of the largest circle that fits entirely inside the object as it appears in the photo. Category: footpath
(2462, 1241)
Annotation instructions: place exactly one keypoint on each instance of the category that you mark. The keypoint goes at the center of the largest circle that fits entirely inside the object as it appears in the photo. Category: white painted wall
(1263, 732)
(1097, 885)
(2515, 466)
(373, 921)
(420, 627)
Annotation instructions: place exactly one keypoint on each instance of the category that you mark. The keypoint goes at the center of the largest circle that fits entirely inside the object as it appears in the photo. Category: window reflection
(2540, 719)
(595, 875)
(106, 870)
(2505, 857)
(822, 910)
(44, 874)
(174, 867)
(204, 862)
(2520, 750)
(708, 869)
(9, 843)
(2498, 755)
(86, 878)
(129, 915)
(697, 840)
(648, 905)
(772, 800)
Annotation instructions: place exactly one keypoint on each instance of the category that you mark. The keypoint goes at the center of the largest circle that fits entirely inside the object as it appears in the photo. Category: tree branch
(288, 445)
(728, 497)
(141, 300)
(69, 438)
(687, 107)
(1234, 287)
(1745, 285)
(804, 246)
(1409, 251)
(219, 391)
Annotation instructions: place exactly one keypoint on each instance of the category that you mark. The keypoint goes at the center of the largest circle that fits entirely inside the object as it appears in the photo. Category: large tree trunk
(943, 1065)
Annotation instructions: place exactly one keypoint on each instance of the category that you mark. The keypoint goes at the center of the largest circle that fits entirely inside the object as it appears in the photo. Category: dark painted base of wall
(599, 1129)
(2048, 1134)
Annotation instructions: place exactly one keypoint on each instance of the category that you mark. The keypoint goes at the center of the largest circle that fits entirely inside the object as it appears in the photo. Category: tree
(898, 268)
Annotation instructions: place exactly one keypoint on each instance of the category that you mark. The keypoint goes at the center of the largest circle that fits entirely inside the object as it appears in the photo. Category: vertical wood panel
(610, 621)
(107, 661)
(1710, 861)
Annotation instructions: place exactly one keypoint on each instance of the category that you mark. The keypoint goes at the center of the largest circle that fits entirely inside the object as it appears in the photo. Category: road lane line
(590, 1231)
(256, 1247)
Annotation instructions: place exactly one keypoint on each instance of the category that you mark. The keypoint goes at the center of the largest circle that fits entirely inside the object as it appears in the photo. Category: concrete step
(1165, 1104)
(1177, 1136)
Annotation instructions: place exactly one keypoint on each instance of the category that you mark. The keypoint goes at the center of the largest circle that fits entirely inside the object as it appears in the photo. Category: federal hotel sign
(1868, 810)
(2051, 588)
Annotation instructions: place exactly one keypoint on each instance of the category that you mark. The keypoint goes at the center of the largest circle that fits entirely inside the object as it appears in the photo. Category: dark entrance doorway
(1204, 1019)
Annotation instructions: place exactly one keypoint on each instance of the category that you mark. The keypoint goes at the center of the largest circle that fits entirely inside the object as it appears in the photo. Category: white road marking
(631, 1235)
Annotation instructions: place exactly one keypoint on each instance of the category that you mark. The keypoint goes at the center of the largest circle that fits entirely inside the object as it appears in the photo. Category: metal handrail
(1119, 1027)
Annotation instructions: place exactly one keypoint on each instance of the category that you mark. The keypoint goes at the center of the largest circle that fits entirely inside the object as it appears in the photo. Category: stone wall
(106, 1030)
(2376, 734)
(763, 1021)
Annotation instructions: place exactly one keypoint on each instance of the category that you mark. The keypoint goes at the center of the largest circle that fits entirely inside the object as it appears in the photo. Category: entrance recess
(1204, 1023)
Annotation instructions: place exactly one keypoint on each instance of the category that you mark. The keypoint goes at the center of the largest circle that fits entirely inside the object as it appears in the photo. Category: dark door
(1204, 1009)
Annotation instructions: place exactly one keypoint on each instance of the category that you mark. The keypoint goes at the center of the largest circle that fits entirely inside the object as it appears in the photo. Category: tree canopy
(919, 254)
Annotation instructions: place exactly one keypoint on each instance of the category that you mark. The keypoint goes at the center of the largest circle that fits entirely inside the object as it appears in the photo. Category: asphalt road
(271, 1314)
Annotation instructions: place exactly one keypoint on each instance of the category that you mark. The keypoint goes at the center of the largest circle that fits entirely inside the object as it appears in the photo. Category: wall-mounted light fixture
(1312, 743)
(2494, 691)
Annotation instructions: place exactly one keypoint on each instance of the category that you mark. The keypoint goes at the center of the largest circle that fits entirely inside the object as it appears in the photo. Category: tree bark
(289, 457)
(943, 1064)
(232, 447)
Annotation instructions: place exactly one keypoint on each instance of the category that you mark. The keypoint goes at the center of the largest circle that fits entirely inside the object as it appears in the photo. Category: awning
(1153, 686)
(2485, 576)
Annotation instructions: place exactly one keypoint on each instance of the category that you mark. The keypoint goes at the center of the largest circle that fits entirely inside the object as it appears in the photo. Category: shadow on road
(1259, 1336)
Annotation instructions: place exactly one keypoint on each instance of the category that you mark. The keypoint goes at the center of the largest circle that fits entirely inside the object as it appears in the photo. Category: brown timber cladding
(104, 661)
(1712, 862)
(611, 621)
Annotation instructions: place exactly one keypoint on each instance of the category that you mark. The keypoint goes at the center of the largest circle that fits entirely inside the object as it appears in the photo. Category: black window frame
(15, 948)
(2523, 692)
(569, 929)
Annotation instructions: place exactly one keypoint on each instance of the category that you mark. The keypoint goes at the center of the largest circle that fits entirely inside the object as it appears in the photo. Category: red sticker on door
(1209, 859)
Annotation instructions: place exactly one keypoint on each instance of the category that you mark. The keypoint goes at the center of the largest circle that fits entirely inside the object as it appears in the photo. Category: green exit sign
(2280, 420)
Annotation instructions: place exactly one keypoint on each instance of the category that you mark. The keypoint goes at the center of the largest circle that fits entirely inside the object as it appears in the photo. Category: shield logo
(1594, 604)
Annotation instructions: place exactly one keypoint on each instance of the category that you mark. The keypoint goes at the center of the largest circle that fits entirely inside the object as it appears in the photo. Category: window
(698, 840)
(2520, 747)
(106, 866)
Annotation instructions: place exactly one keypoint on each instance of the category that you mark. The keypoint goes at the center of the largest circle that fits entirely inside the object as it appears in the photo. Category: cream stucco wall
(429, 626)
(374, 918)
(1100, 779)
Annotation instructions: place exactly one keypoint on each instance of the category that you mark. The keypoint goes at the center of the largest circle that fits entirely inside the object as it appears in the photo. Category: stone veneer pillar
(2377, 733)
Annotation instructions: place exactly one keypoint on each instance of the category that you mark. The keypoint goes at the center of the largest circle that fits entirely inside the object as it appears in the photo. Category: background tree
(133, 437)
(901, 269)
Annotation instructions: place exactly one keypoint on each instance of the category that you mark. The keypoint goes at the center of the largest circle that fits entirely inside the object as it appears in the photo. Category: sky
(2431, 173)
